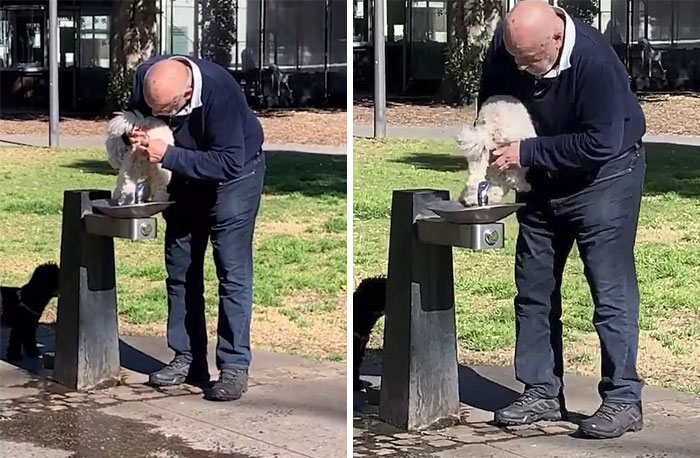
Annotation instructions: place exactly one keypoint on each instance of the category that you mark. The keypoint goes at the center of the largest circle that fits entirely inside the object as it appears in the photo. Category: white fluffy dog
(133, 167)
(502, 119)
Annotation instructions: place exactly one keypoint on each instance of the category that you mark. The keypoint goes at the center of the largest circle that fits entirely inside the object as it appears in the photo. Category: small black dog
(368, 303)
(21, 309)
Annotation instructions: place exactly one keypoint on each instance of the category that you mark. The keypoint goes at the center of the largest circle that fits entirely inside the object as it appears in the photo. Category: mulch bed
(665, 114)
(308, 127)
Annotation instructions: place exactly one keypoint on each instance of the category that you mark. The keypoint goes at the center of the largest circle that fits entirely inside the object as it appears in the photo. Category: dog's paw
(125, 198)
(468, 199)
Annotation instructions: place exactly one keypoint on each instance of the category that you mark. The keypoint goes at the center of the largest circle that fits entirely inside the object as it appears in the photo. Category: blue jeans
(226, 213)
(599, 211)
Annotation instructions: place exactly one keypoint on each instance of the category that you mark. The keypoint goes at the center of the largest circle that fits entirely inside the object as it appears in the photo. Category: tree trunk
(474, 21)
(471, 27)
(134, 33)
(134, 36)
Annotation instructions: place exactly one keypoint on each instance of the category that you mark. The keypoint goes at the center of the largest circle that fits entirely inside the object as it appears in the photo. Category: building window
(94, 41)
(430, 21)
(688, 18)
(181, 44)
(5, 40)
(66, 41)
(180, 27)
(22, 35)
(361, 21)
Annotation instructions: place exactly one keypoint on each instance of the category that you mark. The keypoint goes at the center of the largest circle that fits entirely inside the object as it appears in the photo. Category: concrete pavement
(42, 141)
(294, 408)
(449, 133)
(671, 424)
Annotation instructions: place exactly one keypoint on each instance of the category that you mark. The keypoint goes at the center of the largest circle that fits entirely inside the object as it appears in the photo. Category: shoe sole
(529, 419)
(597, 434)
(224, 398)
(176, 381)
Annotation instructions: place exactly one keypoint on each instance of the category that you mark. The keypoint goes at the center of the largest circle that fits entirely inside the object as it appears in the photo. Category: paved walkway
(294, 408)
(449, 133)
(671, 424)
(42, 141)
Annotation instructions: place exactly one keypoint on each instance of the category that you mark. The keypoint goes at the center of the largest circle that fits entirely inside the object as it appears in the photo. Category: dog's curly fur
(502, 119)
(22, 307)
(368, 303)
(133, 167)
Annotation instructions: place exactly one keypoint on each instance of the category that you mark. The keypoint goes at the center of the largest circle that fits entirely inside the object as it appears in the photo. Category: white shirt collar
(196, 100)
(567, 47)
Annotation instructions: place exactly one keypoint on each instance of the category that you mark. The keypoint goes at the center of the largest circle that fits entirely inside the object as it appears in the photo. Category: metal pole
(53, 73)
(379, 71)
(196, 28)
(326, 50)
(628, 35)
(172, 15)
(261, 49)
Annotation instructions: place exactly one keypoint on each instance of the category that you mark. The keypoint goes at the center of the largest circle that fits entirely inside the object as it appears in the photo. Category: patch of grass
(32, 207)
(295, 316)
(337, 224)
(669, 341)
(300, 191)
(667, 253)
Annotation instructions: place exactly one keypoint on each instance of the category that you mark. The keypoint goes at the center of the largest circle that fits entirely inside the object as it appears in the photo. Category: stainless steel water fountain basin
(110, 207)
(454, 212)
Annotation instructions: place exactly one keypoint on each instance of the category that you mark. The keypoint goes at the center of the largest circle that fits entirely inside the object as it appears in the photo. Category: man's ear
(188, 93)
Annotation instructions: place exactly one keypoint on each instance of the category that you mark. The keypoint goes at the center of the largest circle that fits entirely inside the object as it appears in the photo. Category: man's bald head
(534, 35)
(167, 86)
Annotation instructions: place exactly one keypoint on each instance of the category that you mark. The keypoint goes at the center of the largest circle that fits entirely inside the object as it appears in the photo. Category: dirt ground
(664, 114)
(308, 127)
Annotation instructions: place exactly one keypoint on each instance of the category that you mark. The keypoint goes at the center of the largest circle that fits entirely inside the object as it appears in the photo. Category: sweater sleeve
(223, 158)
(599, 109)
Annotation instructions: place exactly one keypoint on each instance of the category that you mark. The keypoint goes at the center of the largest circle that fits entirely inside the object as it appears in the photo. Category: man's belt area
(180, 181)
(565, 182)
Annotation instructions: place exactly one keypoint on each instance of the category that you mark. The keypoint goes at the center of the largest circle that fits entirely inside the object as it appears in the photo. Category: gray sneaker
(231, 385)
(613, 420)
(182, 369)
(529, 408)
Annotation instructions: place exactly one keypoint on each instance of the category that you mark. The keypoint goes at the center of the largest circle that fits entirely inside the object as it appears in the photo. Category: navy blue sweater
(215, 140)
(584, 117)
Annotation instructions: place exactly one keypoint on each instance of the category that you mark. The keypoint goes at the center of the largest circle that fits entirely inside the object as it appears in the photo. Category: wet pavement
(293, 408)
(671, 424)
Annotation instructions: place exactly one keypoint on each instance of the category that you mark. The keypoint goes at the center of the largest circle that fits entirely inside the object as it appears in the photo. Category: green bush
(219, 31)
(585, 10)
(463, 70)
(119, 88)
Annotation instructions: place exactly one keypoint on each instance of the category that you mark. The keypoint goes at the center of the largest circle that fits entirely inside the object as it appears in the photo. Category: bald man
(587, 169)
(218, 171)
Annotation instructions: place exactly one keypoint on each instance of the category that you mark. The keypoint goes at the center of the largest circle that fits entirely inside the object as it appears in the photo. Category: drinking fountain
(87, 339)
(419, 384)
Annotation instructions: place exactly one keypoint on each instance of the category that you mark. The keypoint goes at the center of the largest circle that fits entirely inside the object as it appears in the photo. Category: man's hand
(153, 150)
(138, 137)
(506, 156)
